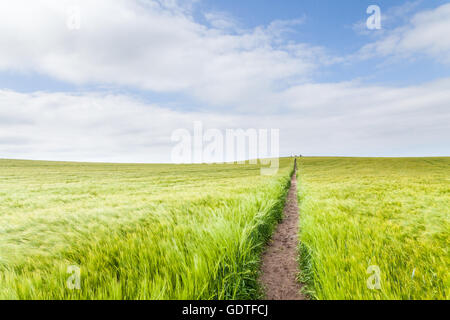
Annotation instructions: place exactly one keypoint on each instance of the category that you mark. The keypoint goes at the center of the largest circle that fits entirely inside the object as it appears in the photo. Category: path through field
(279, 264)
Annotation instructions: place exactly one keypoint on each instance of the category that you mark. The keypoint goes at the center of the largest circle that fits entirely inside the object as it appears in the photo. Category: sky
(111, 81)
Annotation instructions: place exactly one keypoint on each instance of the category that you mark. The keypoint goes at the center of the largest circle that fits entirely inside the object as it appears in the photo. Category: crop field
(135, 231)
(369, 229)
(363, 219)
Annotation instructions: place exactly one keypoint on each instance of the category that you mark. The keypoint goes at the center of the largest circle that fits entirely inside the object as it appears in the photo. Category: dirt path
(279, 264)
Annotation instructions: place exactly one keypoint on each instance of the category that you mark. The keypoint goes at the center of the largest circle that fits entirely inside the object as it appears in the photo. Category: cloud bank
(347, 119)
(427, 33)
(242, 78)
(152, 46)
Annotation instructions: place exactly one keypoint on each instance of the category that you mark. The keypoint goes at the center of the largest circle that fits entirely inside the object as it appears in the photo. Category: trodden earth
(279, 262)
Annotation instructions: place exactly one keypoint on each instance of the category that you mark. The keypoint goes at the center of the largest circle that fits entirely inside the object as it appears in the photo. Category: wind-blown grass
(135, 231)
(361, 212)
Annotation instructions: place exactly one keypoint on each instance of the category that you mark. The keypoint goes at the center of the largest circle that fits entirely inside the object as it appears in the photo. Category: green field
(389, 213)
(148, 231)
(135, 231)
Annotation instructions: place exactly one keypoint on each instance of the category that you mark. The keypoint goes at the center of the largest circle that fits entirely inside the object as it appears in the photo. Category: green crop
(390, 213)
(135, 231)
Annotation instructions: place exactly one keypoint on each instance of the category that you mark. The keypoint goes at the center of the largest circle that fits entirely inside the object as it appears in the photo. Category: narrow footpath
(279, 262)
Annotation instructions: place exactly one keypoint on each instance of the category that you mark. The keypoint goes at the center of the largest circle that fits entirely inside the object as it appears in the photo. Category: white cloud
(391, 16)
(221, 20)
(427, 33)
(157, 46)
(321, 119)
(152, 45)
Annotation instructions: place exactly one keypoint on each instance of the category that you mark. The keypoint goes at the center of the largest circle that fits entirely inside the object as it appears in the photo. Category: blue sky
(330, 24)
(326, 23)
(309, 68)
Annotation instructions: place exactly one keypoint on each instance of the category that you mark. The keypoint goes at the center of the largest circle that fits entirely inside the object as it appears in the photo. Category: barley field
(135, 231)
(363, 219)
(369, 228)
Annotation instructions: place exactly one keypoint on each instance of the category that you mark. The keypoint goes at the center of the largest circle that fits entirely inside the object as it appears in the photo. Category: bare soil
(279, 263)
